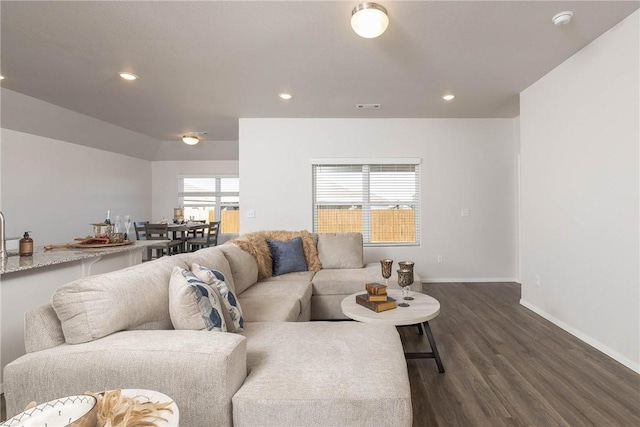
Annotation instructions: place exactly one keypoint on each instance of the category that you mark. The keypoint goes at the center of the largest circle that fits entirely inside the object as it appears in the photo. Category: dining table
(181, 232)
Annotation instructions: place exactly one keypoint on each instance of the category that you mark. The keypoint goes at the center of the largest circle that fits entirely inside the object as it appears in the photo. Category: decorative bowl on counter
(116, 238)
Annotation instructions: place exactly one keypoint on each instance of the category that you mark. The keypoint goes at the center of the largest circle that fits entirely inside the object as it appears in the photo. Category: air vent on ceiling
(367, 106)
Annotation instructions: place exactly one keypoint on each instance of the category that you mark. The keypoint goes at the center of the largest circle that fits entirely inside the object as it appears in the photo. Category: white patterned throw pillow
(216, 279)
(195, 305)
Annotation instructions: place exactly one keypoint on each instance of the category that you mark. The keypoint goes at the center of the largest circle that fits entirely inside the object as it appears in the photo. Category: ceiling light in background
(1, 77)
(190, 139)
(562, 18)
(369, 20)
(448, 97)
(285, 96)
(128, 76)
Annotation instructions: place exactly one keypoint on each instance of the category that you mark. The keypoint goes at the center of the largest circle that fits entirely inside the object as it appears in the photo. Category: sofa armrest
(200, 370)
(42, 329)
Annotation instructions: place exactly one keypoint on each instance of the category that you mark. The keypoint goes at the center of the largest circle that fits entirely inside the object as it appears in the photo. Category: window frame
(366, 203)
(217, 194)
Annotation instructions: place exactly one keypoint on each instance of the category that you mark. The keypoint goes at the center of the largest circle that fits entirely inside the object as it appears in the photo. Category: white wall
(580, 134)
(165, 181)
(466, 163)
(57, 189)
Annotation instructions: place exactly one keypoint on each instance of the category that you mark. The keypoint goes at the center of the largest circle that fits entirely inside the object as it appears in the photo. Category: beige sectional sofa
(115, 331)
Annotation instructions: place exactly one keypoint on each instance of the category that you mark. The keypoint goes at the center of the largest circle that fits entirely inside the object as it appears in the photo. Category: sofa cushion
(195, 305)
(244, 268)
(347, 281)
(300, 290)
(256, 245)
(298, 276)
(287, 256)
(329, 383)
(270, 309)
(340, 250)
(133, 298)
(216, 279)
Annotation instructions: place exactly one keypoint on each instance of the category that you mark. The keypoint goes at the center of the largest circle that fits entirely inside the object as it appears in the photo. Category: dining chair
(139, 227)
(197, 232)
(210, 237)
(160, 232)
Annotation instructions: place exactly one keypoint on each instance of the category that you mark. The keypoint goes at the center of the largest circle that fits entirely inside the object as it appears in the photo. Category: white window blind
(380, 200)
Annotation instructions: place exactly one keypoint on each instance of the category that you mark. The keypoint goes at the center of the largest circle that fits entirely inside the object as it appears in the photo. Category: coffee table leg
(434, 349)
(420, 329)
(433, 354)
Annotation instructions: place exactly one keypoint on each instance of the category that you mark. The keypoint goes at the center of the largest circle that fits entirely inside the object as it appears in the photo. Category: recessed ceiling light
(562, 18)
(448, 97)
(128, 76)
(285, 96)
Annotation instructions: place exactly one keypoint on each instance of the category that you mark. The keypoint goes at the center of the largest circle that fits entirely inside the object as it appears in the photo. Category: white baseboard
(470, 280)
(584, 337)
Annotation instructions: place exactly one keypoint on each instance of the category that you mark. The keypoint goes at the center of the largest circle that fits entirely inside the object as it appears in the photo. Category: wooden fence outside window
(387, 226)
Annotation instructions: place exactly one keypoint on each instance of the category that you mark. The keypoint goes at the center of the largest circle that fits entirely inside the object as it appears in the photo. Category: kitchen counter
(42, 258)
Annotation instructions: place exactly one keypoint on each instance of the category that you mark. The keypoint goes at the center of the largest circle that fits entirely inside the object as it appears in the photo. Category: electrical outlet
(537, 280)
(439, 258)
(251, 213)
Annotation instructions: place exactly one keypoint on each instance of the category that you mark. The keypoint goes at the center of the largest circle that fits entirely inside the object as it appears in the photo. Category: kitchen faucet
(3, 242)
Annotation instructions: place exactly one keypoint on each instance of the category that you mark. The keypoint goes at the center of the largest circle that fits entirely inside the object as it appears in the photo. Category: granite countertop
(42, 258)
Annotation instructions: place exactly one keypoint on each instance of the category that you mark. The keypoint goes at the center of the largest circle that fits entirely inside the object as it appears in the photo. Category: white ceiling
(204, 64)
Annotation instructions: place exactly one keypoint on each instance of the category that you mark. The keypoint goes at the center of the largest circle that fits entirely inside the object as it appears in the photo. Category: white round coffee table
(422, 309)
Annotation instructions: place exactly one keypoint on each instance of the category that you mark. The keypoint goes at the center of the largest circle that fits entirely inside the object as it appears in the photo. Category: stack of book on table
(376, 298)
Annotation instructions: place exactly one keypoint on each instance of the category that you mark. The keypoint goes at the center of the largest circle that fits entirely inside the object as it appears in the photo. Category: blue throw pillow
(287, 256)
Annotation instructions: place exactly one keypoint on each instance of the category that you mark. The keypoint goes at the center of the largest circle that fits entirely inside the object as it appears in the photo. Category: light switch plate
(465, 212)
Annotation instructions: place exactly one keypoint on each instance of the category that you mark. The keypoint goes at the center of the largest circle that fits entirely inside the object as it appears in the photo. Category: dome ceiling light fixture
(128, 76)
(369, 20)
(562, 18)
(193, 137)
(190, 139)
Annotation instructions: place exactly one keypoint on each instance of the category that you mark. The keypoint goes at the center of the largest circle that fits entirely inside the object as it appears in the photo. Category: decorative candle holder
(407, 265)
(386, 265)
(405, 279)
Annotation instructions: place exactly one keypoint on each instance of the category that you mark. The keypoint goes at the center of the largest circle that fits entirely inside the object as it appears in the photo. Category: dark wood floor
(506, 366)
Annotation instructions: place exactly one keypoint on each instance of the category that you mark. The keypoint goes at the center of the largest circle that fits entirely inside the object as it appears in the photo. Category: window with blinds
(211, 198)
(382, 201)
